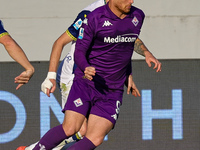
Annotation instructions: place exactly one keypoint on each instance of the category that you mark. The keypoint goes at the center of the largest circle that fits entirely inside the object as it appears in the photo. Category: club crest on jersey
(107, 23)
(81, 32)
(135, 21)
(78, 102)
(77, 24)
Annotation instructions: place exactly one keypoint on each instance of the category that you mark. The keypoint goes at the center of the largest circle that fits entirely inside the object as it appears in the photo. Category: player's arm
(141, 49)
(49, 85)
(57, 49)
(70, 35)
(85, 38)
(16, 52)
(129, 83)
(132, 87)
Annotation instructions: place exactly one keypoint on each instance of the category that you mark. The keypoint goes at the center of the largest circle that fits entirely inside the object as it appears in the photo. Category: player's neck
(116, 11)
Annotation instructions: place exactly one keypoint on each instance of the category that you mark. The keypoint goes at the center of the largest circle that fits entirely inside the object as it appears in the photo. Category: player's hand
(132, 87)
(89, 73)
(49, 84)
(23, 78)
(151, 59)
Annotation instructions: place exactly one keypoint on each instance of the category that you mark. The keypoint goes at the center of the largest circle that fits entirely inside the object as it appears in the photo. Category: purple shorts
(85, 99)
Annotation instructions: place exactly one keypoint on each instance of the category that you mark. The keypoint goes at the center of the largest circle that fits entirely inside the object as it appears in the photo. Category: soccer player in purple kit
(103, 55)
(65, 73)
(16, 52)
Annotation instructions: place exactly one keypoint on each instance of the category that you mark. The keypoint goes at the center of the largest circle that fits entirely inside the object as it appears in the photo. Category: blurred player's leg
(64, 88)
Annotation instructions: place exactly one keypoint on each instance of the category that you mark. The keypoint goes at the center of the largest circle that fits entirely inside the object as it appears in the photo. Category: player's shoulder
(90, 8)
(94, 5)
(138, 11)
(98, 12)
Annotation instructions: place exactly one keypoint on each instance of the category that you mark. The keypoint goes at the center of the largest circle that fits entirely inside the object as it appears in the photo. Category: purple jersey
(106, 42)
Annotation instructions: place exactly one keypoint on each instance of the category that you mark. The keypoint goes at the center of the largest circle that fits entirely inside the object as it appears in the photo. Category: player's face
(124, 6)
